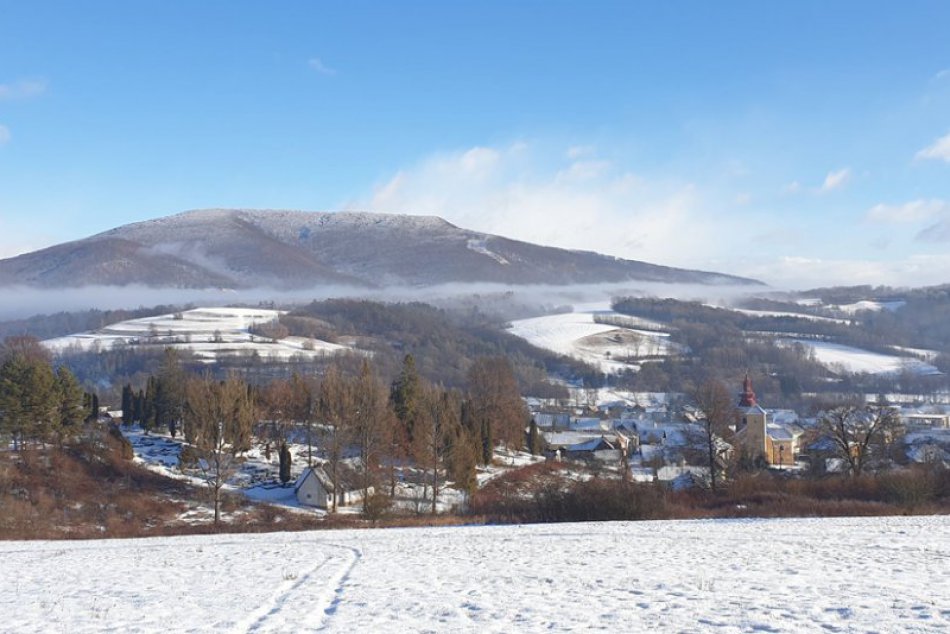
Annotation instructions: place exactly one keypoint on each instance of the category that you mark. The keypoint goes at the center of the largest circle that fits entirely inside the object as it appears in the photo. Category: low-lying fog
(21, 302)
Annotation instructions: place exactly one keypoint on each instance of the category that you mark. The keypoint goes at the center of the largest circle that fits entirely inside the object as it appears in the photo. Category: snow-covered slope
(837, 356)
(609, 346)
(809, 575)
(207, 332)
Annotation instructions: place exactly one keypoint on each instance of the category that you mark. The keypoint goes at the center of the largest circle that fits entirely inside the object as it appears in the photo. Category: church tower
(751, 422)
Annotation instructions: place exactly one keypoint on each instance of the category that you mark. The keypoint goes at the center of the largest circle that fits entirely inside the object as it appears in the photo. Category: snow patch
(479, 245)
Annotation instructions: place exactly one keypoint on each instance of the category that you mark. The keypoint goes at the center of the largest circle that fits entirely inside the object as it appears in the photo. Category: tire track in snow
(337, 595)
(278, 600)
(307, 607)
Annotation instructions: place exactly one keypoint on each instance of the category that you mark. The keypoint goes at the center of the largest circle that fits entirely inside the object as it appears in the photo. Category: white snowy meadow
(803, 575)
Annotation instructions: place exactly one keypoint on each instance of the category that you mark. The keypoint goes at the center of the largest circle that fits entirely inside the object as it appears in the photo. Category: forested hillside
(444, 342)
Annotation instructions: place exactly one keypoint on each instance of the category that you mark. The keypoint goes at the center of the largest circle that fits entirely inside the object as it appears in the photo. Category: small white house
(315, 488)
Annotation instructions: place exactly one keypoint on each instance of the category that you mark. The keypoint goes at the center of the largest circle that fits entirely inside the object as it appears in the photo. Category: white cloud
(522, 192)
(527, 192)
(792, 188)
(4, 134)
(836, 179)
(939, 150)
(23, 89)
(801, 273)
(913, 211)
(579, 151)
(317, 64)
(743, 198)
(942, 74)
(584, 170)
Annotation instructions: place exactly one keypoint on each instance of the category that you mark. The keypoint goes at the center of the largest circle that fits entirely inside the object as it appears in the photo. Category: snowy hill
(209, 333)
(885, 574)
(228, 248)
(598, 336)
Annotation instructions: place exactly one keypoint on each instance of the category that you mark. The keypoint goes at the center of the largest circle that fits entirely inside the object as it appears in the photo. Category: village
(658, 438)
(662, 437)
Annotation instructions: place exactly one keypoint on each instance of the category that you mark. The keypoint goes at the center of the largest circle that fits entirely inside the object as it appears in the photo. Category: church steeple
(747, 398)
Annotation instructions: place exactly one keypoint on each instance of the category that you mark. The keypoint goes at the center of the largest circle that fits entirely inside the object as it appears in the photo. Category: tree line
(341, 414)
(39, 403)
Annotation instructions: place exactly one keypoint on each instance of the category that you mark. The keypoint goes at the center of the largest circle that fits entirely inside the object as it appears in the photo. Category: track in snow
(885, 574)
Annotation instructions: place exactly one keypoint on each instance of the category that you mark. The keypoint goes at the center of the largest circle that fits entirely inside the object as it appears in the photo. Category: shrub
(376, 507)
(543, 493)
(911, 488)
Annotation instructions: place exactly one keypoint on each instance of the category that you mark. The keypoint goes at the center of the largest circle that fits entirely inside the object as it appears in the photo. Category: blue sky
(803, 143)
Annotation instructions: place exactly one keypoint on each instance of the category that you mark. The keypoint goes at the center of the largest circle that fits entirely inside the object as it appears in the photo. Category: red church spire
(747, 398)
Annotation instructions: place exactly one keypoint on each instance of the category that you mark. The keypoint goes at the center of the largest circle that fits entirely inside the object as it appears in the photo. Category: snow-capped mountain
(231, 248)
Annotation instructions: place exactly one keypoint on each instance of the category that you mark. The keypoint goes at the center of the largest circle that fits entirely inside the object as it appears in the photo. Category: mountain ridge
(246, 248)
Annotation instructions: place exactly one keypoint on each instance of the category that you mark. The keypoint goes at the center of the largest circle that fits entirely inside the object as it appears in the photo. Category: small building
(602, 449)
(589, 424)
(919, 420)
(681, 477)
(315, 488)
(553, 421)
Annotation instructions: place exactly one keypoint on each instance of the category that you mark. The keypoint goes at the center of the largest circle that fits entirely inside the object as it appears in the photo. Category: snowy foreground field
(810, 575)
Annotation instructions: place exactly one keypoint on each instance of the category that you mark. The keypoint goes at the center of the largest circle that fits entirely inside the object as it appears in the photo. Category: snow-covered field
(207, 332)
(779, 313)
(809, 575)
(870, 305)
(833, 355)
(578, 335)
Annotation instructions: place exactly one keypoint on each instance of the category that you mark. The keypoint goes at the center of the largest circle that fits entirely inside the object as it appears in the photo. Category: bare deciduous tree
(220, 418)
(373, 418)
(715, 401)
(337, 412)
(496, 402)
(437, 421)
(859, 434)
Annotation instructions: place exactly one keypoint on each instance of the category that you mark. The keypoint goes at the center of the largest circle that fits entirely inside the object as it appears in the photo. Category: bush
(376, 507)
(543, 493)
(911, 488)
(601, 500)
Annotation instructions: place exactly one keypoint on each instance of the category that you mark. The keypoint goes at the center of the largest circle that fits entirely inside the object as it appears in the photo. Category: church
(776, 443)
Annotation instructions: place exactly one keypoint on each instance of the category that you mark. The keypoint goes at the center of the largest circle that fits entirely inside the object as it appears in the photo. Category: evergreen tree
(138, 407)
(70, 404)
(148, 406)
(487, 441)
(170, 392)
(405, 395)
(534, 438)
(28, 399)
(127, 404)
(284, 457)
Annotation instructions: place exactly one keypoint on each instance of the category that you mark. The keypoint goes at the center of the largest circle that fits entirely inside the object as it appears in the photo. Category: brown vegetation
(543, 493)
(85, 490)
